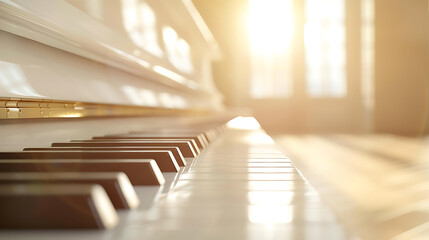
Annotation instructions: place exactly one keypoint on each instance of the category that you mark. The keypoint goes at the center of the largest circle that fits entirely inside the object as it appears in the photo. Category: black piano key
(164, 159)
(185, 147)
(174, 150)
(117, 185)
(200, 139)
(150, 138)
(139, 171)
(56, 206)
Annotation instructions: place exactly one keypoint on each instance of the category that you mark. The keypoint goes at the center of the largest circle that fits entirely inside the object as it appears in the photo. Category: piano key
(181, 129)
(116, 184)
(151, 138)
(164, 159)
(210, 135)
(139, 171)
(170, 131)
(56, 206)
(199, 138)
(174, 150)
(185, 147)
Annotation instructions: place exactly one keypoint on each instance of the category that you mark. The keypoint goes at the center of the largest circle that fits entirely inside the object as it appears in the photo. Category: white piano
(126, 136)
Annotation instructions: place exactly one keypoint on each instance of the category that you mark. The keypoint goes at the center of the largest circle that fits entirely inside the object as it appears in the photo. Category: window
(270, 31)
(270, 26)
(367, 30)
(324, 36)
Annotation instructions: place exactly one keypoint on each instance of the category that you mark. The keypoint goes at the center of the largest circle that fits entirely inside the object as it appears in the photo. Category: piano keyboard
(235, 185)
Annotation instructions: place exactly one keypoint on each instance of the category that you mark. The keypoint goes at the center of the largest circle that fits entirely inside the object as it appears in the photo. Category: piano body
(136, 74)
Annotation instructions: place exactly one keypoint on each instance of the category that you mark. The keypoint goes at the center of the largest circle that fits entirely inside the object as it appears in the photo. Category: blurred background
(343, 88)
(321, 66)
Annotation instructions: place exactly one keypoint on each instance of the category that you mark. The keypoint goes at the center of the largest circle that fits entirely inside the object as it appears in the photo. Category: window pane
(270, 30)
(325, 53)
(367, 42)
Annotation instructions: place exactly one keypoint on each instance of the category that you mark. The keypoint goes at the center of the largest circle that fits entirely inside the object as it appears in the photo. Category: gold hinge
(11, 108)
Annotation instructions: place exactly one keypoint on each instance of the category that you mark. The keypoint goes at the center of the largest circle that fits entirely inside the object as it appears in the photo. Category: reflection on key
(117, 185)
(185, 147)
(164, 159)
(174, 150)
(139, 171)
(56, 206)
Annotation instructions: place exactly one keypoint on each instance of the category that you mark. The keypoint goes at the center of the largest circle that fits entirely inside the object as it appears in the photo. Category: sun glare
(244, 123)
(270, 25)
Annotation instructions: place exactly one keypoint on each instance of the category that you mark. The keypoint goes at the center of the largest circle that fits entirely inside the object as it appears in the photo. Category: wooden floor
(378, 185)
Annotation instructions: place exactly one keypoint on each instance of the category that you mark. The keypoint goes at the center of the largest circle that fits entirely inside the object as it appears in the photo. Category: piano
(112, 128)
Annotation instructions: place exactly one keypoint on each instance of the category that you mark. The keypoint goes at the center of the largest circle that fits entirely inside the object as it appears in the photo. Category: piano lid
(125, 52)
